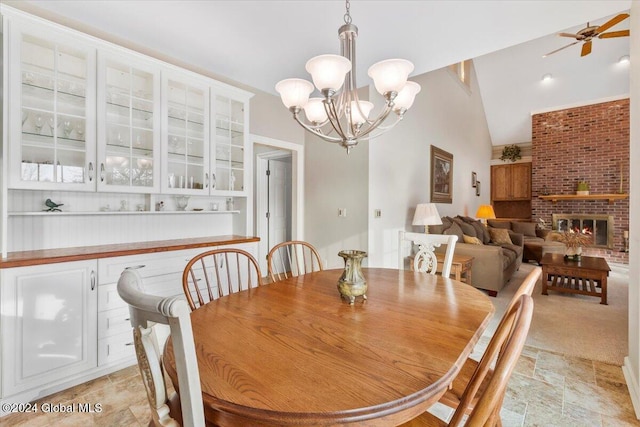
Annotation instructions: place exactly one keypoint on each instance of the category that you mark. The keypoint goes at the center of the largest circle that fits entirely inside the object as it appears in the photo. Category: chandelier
(339, 116)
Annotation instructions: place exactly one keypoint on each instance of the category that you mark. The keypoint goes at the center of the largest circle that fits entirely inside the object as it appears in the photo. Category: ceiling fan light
(328, 71)
(356, 117)
(314, 110)
(405, 97)
(294, 92)
(390, 75)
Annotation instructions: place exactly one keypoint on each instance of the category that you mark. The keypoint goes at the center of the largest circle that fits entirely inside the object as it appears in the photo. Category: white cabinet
(51, 117)
(128, 124)
(230, 156)
(49, 324)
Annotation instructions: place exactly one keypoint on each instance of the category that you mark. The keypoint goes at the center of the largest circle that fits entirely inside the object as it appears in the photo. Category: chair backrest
(148, 313)
(219, 272)
(425, 259)
(292, 259)
(526, 288)
(504, 348)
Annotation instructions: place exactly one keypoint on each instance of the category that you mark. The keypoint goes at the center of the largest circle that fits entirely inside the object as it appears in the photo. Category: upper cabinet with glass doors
(128, 125)
(185, 135)
(229, 159)
(52, 110)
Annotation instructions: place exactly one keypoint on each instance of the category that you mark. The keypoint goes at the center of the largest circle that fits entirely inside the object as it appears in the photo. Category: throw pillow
(500, 236)
(471, 240)
(454, 229)
(526, 228)
(499, 224)
(466, 228)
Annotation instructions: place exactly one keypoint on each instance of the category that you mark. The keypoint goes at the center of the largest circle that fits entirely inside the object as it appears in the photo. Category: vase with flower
(574, 241)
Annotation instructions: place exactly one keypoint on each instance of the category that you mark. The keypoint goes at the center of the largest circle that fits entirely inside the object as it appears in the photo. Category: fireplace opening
(599, 227)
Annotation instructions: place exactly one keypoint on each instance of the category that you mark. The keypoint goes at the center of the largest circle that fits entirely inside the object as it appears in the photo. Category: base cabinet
(49, 324)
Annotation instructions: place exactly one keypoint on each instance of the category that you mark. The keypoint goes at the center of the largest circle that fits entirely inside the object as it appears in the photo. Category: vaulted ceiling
(258, 43)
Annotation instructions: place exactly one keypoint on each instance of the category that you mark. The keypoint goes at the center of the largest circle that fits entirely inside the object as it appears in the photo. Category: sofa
(495, 257)
(537, 242)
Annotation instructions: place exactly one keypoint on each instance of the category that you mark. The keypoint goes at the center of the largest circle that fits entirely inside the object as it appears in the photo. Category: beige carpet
(575, 325)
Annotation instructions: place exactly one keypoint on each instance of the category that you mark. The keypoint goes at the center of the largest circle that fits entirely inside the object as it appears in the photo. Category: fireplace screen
(599, 227)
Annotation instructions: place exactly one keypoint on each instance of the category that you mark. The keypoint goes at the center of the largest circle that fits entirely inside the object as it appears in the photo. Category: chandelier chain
(347, 16)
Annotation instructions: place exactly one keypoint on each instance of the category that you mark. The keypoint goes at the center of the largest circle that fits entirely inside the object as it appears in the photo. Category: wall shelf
(610, 197)
(190, 212)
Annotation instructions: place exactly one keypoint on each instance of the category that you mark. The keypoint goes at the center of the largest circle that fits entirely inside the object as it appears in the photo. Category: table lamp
(485, 212)
(426, 214)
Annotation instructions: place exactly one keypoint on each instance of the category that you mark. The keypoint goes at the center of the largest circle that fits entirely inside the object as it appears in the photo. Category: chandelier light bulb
(365, 107)
(294, 92)
(405, 97)
(390, 75)
(328, 71)
(314, 110)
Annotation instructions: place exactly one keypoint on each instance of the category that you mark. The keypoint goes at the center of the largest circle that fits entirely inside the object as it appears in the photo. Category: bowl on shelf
(182, 202)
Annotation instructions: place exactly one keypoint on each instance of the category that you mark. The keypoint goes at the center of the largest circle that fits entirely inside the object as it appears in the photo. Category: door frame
(297, 188)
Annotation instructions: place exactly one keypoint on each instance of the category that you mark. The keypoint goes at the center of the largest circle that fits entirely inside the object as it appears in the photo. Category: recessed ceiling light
(546, 77)
(624, 59)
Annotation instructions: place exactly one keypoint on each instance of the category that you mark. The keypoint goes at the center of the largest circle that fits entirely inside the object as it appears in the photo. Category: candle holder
(626, 244)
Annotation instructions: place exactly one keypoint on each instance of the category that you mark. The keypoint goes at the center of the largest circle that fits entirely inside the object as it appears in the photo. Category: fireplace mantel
(610, 197)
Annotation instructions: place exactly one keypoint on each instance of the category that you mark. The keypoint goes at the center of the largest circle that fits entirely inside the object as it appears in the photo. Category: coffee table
(587, 276)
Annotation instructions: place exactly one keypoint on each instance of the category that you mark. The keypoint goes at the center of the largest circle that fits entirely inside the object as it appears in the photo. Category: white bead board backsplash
(83, 224)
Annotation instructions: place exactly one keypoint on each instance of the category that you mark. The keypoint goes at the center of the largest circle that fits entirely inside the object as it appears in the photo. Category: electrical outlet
(342, 212)
(377, 213)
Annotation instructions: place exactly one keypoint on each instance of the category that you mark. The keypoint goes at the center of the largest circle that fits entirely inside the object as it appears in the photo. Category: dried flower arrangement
(572, 239)
(511, 152)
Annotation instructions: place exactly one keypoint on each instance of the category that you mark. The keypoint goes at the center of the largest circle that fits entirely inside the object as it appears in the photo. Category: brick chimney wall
(589, 143)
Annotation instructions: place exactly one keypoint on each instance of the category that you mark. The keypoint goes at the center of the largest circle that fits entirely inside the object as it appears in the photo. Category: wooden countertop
(50, 256)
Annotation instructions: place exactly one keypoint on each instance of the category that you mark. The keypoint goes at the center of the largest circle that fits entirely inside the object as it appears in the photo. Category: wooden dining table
(294, 353)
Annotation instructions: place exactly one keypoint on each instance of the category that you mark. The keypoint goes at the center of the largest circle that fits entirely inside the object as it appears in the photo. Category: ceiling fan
(587, 34)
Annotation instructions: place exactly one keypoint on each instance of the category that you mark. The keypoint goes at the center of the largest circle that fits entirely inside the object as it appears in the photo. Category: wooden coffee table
(587, 276)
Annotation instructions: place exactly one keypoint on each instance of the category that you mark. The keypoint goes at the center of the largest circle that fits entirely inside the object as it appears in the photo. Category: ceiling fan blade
(586, 48)
(573, 36)
(611, 22)
(558, 50)
(611, 34)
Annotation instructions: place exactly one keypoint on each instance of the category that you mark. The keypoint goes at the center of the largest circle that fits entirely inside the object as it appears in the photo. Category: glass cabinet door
(52, 113)
(128, 127)
(185, 138)
(229, 164)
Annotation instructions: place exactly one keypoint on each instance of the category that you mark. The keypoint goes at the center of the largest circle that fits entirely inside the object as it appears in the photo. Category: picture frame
(474, 179)
(441, 176)
(478, 188)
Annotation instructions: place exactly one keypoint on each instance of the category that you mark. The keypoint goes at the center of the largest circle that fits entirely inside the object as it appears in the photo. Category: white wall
(270, 118)
(448, 116)
(632, 362)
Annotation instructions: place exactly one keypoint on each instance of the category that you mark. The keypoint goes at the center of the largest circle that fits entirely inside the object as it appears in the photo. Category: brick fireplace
(587, 143)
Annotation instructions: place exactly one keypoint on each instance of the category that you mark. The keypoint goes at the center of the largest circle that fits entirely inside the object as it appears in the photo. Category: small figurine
(53, 207)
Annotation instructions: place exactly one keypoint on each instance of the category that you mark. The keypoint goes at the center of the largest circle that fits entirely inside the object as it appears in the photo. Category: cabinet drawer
(108, 297)
(156, 264)
(113, 322)
(116, 348)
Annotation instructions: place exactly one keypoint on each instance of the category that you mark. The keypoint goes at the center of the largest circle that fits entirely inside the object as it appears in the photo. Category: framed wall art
(478, 188)
(474, 179)
(441, 176)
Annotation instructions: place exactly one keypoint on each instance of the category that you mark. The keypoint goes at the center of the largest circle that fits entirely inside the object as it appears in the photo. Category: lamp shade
(390, 75)
(314, 110)
(356, 117)
(405, 97)
(426, 214)
(485, 212)
(328, 71)
(294, 92)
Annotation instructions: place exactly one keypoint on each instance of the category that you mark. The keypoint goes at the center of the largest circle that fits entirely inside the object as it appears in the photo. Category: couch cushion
(466, 228)
(526, 228)
(516, 249)
(500, 235)
(499, 224)
(508, 256)
(471, 240)
(481, 230)
(454, 230)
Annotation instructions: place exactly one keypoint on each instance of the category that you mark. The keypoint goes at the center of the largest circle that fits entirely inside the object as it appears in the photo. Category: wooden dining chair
(453, 396)
(150, 316)
(505, 350)
(292, 259)
(425, 259)
(219, 272)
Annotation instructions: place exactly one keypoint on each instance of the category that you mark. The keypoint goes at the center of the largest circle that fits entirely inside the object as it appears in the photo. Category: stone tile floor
(546, 389)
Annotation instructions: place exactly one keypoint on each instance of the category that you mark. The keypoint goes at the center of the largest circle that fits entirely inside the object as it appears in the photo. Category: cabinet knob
(213, 181)
(101, 172)
(90, 171)
(206, 180)
(93, 280)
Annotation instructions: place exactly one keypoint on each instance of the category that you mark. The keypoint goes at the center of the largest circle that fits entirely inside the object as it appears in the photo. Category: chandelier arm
(316, 132)
(383, 115)
(334, 119)
(382, 130)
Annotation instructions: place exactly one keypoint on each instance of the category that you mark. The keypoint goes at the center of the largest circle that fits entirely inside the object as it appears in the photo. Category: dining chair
(150, 317)
(512, 332)
(291, 259)
(453, 396)
(219, 272)
(425, 259)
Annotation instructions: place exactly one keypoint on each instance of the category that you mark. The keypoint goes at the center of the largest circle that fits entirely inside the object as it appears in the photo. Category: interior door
(279, 218)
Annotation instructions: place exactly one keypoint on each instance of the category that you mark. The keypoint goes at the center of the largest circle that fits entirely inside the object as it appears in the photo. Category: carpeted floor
(575, 325)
